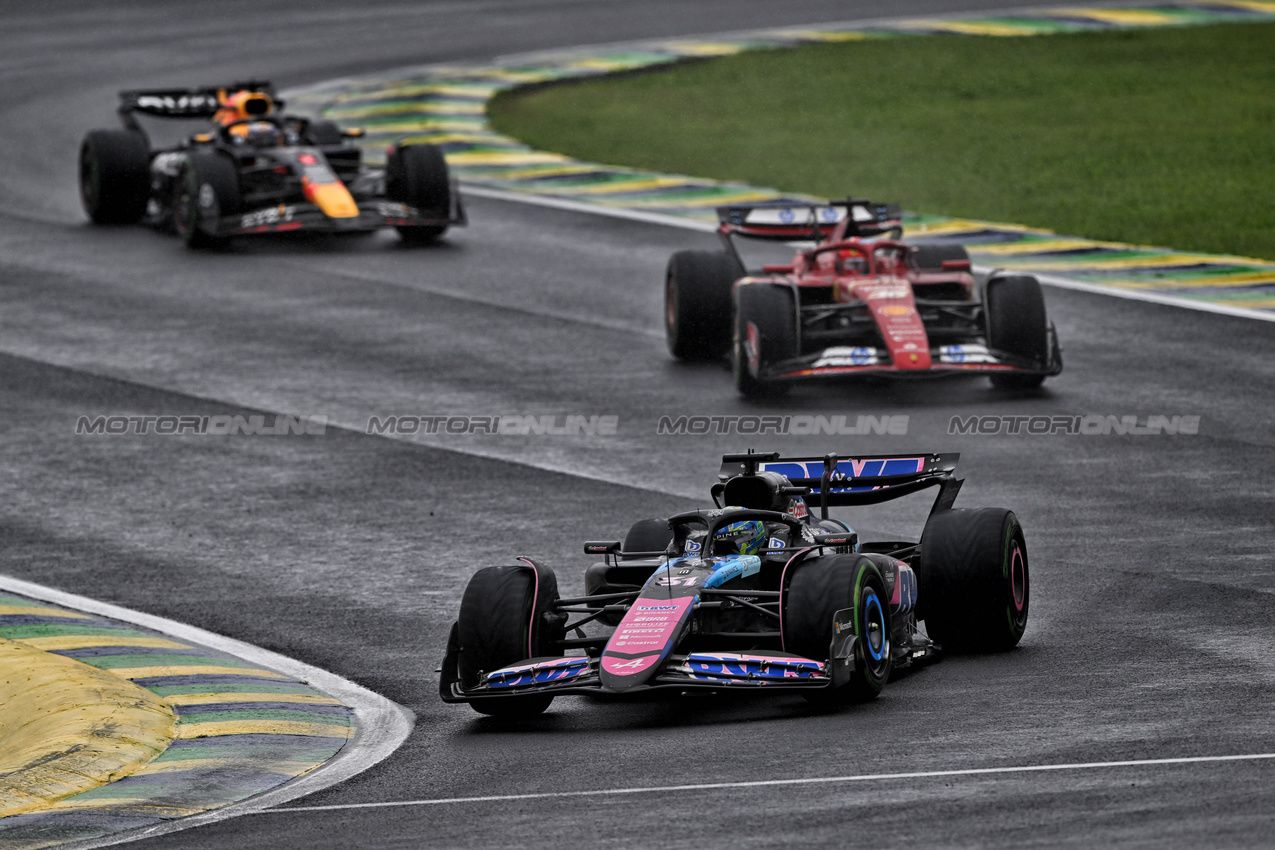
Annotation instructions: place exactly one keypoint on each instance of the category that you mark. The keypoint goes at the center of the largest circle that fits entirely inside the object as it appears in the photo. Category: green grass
(1157, 136)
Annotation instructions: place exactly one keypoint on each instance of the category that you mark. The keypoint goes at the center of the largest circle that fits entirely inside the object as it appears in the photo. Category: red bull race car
(859, 301)
(252, 169)
(756, 594)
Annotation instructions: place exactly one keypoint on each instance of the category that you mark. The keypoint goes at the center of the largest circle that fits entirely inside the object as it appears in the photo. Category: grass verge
(1155, 136)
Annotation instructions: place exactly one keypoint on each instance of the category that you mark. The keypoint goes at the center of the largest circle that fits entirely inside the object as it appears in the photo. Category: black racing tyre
(207, 188)
(819, 588)
(502, 621)
(648, 535)
(697, 303)
(1014, 310)
(115, 176)
(973, 583)
(772, 311)
(417, 175)
(930, 258)
(324, 134)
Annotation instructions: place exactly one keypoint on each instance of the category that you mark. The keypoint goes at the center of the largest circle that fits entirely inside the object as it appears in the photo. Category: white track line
(706, 227)
(381, 725)
(770, 783)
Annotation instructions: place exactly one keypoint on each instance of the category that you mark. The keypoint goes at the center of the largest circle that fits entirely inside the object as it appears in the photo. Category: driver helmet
(852, 262)
(745, 537)
(259, 134)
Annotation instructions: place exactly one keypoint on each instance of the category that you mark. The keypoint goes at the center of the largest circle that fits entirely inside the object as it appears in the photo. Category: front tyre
(765, 334)
(1014, 310)
(503, 621)
(974, 586)
(207, 188)
(115, 176)
(697, 305)
(417, 175)
(819, 589)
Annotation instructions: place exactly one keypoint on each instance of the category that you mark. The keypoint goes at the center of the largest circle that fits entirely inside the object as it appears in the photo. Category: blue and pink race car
(756, 593)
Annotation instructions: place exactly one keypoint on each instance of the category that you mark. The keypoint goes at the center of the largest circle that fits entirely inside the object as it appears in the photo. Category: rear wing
(864, 480)
(791, 222)
(186, 103)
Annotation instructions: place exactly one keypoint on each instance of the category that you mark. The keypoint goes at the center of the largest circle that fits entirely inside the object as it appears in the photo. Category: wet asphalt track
(1152, 580)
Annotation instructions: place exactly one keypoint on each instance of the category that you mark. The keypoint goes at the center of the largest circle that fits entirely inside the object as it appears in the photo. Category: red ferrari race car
(859, 301)
(252, 169)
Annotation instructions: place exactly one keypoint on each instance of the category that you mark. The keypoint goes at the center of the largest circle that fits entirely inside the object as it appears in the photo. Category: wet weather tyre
(974, 586)
(115, 176)
(503, 621)
(206, 189)
(417, 175)
(765, 332)
(697, 303)
(821, 587)
(1014, 310)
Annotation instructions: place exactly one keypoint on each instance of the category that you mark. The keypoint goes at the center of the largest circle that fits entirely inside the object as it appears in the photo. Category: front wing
(752, 671)
(305, 216)
(945, 360)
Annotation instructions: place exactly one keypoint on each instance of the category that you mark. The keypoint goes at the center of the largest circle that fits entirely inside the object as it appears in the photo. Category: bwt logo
(516, 425)
(1088, 425)
(255, 425)
(797, 425)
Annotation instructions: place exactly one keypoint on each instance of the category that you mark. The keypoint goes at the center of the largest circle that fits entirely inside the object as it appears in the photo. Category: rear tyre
(502, 621)
(1014, 310)
(206, 189)
(766, 326)
(417, 175)
(115, 176)
(973, 580)
(697, 305)
(818, 590)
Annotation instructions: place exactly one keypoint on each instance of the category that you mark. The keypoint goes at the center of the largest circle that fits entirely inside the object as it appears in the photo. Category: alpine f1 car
(859, 301)
(252, 169)
(755, 594)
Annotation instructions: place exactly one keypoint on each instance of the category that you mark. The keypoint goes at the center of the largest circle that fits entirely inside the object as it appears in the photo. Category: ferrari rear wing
(792, 222)
(864, 480)
(186, 103)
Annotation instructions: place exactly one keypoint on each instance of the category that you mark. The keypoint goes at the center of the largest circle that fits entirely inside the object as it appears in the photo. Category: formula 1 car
(755, 594)
(256, 170)
(859, 301)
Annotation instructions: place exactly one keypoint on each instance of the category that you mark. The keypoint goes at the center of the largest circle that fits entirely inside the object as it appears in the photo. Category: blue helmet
(745, 537)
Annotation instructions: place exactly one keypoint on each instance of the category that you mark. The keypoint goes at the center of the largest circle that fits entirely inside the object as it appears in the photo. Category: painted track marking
(772, 783)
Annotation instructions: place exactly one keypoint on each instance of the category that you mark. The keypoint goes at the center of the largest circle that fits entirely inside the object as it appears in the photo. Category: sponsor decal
(207, 197)
(847, 356)
(787, 216)
(896, 310)
(735, 567)
(776, 543)
(181, 103)
(873, 293)
(268, 216)
(797, 508)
